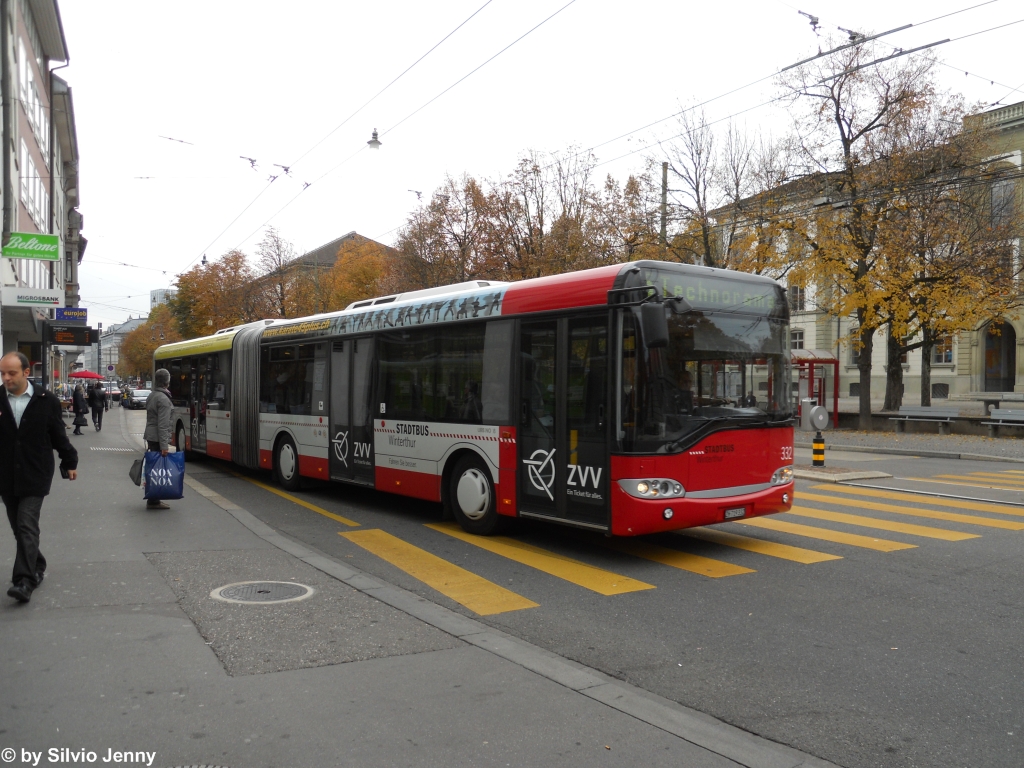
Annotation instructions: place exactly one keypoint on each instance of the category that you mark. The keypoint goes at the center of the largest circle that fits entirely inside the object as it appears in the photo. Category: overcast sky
(268, 81)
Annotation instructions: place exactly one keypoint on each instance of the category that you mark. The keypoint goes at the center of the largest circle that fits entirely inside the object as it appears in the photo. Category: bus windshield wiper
(675, 444)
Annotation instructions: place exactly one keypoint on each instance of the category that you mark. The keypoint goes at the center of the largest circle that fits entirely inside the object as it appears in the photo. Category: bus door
(200, 378)
(563, 434)
(351, 454)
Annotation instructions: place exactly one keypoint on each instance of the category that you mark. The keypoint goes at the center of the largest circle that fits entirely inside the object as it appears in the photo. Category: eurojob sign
(72, 314)
(30, 246)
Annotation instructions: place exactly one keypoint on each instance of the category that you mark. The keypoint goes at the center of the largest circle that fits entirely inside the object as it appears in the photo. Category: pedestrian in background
(98, 403)
(158, 422)
(31, 428)
(80, 408)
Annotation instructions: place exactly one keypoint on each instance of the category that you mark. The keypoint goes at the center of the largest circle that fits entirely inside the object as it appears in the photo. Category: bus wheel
(179, 443)
(472, 497)
(286, 464)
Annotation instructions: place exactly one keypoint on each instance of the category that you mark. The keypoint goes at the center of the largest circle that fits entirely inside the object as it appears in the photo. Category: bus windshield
(719, 370)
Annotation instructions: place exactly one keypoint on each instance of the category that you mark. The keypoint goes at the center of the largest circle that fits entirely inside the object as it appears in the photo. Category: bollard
(818, 451)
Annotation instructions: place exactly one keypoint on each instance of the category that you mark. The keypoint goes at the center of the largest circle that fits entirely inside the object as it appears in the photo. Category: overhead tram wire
(421, 58)
(769, 77)
(780, 98)
(481, 66)
(336, 128)
(418, 109)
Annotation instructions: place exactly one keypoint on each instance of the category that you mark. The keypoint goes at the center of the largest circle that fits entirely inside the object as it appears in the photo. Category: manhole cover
(262, 592)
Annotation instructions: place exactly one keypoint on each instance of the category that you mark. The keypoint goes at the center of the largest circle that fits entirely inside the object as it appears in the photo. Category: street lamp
(374, 143)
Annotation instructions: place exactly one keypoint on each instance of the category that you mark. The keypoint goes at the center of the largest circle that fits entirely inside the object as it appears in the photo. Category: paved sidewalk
(122, 649)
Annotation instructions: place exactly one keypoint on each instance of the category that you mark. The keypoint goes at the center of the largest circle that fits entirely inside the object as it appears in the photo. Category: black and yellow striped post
(818, 451)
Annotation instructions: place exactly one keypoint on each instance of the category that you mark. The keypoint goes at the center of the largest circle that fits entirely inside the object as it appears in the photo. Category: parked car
(113, 392)
(138, 398)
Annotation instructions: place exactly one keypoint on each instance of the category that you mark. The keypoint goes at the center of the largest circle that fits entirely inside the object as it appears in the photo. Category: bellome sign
(29, 246)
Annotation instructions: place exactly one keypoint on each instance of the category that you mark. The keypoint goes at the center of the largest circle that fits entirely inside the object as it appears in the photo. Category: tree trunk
(893, 372)
(927, 346)
(867, 336)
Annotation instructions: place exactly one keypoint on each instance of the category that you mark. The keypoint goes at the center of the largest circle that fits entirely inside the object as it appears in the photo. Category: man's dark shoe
(39, 578)
(157, 505)
(20, 592)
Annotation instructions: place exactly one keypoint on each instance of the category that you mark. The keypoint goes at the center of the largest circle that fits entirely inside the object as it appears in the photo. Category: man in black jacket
(31, 428)
(98, 403)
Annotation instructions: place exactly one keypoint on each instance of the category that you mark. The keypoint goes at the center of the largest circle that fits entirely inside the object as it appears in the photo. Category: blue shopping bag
(165, 475)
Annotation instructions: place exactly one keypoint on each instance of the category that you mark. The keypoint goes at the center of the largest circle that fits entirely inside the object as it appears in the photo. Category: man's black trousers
(97, 415)
(23, 514)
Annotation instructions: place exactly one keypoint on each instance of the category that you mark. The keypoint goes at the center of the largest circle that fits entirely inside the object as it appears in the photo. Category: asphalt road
(896, 643)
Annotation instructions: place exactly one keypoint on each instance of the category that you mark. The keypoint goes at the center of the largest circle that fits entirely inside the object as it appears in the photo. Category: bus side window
(179, 383)
(497, 371)
(461, 371)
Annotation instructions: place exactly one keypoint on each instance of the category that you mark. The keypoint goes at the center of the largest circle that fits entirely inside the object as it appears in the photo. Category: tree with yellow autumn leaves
(135, 358)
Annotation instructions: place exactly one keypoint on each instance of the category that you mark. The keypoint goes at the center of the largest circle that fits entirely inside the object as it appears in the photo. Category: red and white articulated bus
(627, 399)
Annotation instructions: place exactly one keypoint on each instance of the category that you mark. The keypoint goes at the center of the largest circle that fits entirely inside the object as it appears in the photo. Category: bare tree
(694, 164)
(274, 255)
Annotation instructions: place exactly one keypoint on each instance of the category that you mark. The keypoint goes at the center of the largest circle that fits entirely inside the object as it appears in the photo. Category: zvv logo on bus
(340, 441)
(341, 447)
(541, 469)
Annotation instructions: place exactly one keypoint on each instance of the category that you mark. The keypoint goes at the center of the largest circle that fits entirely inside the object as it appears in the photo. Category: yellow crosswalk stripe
(953, 517)
(882, 525)
(825, 534)
(965, 484)
(982, 477)
(474, 592)
(703, 566)
(1003, 476)
(760, 546)
(297, 500)
(587, 576)
(977, 506)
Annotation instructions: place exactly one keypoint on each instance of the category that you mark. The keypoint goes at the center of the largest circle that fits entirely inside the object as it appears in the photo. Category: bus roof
(218, 342)
(469, 300)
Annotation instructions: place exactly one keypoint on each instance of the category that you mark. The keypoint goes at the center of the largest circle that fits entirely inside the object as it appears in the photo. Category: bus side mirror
(655, 324)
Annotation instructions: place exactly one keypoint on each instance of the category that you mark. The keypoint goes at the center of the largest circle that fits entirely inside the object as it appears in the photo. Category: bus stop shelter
(812, 366)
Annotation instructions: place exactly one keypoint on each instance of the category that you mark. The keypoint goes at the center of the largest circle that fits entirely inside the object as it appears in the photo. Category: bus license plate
(735, 512)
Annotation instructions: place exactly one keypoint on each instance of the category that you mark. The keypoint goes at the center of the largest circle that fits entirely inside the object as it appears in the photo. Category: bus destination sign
(73, 335)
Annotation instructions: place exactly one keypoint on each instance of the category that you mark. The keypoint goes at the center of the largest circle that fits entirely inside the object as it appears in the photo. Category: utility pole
(664, 208)
(99, 349)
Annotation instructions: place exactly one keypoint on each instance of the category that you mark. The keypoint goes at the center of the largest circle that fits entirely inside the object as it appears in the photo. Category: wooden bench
(942, 416)
(1003, 417)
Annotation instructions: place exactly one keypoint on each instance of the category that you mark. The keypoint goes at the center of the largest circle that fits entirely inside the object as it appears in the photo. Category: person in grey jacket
(159, 409)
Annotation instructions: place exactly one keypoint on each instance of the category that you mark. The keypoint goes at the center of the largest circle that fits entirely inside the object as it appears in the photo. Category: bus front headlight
(783, 476)
(653, 488)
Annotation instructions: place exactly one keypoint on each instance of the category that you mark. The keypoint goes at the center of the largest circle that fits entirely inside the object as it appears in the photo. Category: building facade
(161, 296)
(104, 357)
(986, 360)
(39, 191)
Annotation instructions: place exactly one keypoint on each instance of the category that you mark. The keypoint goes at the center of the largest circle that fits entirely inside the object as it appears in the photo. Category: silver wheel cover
(286, 461)
(181, 440)
(473, 494)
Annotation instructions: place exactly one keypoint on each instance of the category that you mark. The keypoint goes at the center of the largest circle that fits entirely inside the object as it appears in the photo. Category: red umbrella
(84, 375)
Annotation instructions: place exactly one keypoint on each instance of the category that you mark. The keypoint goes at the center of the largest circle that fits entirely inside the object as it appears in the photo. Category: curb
(923, 454)
(835, 475)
